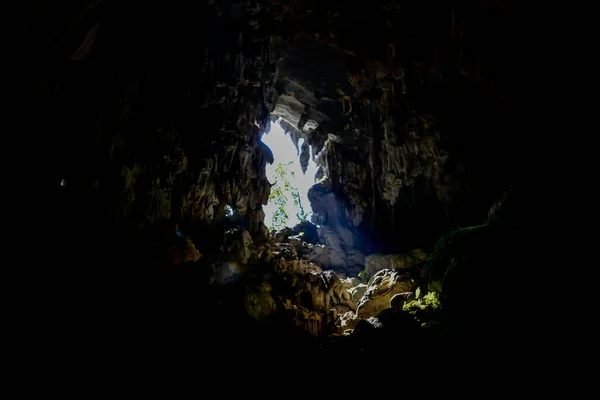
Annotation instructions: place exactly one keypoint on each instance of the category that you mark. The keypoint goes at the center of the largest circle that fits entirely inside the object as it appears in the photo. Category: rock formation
(151, 133)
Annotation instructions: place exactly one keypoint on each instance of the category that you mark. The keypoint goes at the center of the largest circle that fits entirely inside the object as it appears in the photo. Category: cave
(152, 122)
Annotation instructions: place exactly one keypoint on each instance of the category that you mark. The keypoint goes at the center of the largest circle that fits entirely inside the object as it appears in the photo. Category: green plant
(280, 193)
(362, 275)
(323, 179)
(425, 307)
(428, 301)
(302, 215)
(444, 277)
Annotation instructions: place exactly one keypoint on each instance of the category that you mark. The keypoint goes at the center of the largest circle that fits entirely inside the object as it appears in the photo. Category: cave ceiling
(408, 99)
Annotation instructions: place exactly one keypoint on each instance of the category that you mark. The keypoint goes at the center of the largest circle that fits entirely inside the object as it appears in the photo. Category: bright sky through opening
(284, 151)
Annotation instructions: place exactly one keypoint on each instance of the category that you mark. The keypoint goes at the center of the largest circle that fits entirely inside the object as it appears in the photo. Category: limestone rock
(378, 262)
(381, 288)
(337, 252)
(398, 300)
(191, 253)
(310, 321)
(297, 267)
(319, 255)
(358, 292)
(308, 231)
(329, 292)
(333, 243)
(258, 302)
(350, 283)
(318, 298)
(240, 243)
(347, 321)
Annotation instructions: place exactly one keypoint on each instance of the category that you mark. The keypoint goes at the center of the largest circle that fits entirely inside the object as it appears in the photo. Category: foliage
(443, 292)
(281, 192)
(426, 307)
(323, 179)
(362, 275)
(428, 301)
(448, 255)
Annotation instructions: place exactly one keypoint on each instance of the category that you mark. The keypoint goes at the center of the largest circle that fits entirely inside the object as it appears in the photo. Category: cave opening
(148, 183)
(288, 202)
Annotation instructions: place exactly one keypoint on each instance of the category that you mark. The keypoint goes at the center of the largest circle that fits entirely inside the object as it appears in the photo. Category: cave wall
(155, 112)
(418, 115)
(159, 116)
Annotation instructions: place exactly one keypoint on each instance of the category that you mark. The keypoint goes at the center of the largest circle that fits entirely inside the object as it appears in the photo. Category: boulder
(381, 288)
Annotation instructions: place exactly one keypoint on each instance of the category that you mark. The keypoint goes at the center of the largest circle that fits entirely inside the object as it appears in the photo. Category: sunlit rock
(358, 292)
(347, 321)
(381, 288)
(398, 300)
